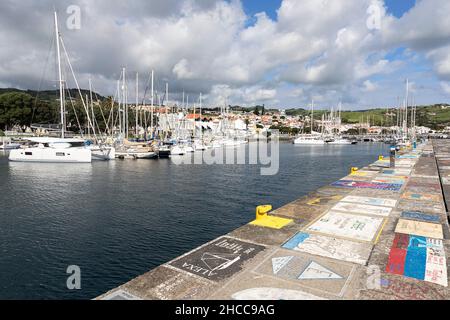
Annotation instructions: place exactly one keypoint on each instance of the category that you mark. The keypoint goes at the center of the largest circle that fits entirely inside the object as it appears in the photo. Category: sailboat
(55, 149)
(337, 139)
(314, 138)
(102, 152)
(136, 150)
(128, 149)
(9, 146)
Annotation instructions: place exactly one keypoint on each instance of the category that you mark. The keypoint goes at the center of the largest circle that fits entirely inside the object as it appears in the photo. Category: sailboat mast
(92, 107)
(406, 107)
(312, 116)
(201, 111)
(124, 103)
(137, 103)
(153, 99)
(194, 121)
(61, 90)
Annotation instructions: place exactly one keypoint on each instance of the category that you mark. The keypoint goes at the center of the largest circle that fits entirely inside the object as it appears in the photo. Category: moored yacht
(136, 150)
(177, 151)
(340, 141)
(163, 151)
(309, 140)
(53, 150)
(56, 150)
(9, 146)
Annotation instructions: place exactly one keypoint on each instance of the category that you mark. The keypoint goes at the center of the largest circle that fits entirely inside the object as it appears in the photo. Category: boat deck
(379, 233)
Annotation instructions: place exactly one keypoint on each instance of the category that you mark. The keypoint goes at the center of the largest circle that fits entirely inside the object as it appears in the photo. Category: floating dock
(380, 233)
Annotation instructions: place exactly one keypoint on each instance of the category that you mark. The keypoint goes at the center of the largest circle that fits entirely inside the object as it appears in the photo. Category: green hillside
(435, 116)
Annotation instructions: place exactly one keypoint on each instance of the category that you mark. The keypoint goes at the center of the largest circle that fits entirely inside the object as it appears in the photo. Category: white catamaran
(55, 149)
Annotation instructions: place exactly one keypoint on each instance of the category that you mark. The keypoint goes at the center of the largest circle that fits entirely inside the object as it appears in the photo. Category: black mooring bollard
(392, 162)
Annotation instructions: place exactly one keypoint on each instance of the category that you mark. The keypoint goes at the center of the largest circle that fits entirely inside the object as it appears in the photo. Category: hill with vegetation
(24, 107)
(434, 116)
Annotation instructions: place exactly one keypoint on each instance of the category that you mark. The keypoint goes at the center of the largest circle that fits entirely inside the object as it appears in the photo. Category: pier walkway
(379, 233)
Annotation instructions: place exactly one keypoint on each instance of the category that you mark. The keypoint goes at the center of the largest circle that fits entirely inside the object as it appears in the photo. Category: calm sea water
(119, 219)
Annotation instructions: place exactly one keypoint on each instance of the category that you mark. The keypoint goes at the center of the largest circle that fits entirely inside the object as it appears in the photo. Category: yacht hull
(50, 155)
(103, 154)
(310, 143)
(11, 146)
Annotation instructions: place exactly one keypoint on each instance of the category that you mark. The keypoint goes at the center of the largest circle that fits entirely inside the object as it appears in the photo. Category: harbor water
(117, 220)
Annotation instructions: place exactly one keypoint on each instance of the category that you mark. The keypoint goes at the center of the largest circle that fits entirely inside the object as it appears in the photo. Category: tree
(15, 109)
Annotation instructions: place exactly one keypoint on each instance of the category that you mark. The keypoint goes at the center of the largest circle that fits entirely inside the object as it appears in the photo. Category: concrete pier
(379, 233)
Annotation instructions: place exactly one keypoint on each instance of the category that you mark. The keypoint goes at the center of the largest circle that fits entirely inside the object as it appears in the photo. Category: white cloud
(446, 87)
(369, 86)
(205, 46)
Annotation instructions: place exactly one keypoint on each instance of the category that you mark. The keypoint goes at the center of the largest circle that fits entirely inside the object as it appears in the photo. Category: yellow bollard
(262, 211)
(380, 158)
(354, 170)
(266, 221)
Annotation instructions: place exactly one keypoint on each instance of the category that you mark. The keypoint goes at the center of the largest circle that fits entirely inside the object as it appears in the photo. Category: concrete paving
(344, 242)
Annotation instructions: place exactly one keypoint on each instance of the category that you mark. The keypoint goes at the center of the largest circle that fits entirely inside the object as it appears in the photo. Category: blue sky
(270, 7)
(399, 7)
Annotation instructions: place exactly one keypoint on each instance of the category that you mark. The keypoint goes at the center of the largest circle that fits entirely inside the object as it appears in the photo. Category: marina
(215, 158)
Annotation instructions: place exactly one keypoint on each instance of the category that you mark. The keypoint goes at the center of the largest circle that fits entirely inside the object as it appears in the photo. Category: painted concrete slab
(333, 191)
(303, 212)
(397, 172)
(273, 294)
(367, 185)
(265, 236)
(120, 295)
(362, 173)
(420, 216)
(426, 190)
(418, 228)
(308, 271)
(219, 260)
(363, 209)
(387, 180)
(357, 178)
(371, 201)
(422, 196)
(427, 207)
(419, 258)
(347, 226)
(329, 247)
(164, 283)
(250, 283)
